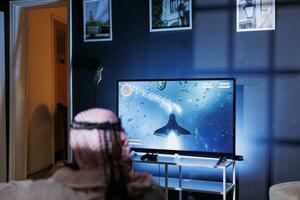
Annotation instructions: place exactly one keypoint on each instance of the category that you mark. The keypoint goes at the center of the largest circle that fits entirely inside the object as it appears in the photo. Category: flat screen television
(185, 116)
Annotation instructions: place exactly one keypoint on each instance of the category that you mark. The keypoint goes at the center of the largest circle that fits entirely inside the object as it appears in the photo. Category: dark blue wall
(266, 64)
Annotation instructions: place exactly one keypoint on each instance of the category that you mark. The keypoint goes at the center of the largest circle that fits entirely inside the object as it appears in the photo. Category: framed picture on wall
(170, 15)
(255, 15)
(97, 20)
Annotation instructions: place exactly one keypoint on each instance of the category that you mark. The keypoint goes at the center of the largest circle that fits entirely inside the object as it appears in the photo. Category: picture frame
(170, 15)
(97, 20)
(255, 15)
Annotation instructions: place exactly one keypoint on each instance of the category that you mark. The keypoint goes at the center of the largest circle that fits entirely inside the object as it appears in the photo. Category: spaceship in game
(171, 126)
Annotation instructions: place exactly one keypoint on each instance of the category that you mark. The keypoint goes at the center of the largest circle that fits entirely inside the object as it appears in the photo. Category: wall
(266, 64)
(2, 102)
(40, 85)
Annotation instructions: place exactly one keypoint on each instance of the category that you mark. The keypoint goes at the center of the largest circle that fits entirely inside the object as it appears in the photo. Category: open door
(47, 84)
(61, 90)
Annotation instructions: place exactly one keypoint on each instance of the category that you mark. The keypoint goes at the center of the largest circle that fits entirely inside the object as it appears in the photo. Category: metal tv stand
(180, 184)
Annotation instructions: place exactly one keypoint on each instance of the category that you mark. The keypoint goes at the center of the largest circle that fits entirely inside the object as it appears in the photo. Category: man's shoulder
(146, 184)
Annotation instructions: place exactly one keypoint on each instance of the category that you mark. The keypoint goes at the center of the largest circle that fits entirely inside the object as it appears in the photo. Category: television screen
(184, 116)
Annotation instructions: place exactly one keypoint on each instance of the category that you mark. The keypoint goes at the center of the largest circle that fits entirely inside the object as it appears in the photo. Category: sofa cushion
(285, 191)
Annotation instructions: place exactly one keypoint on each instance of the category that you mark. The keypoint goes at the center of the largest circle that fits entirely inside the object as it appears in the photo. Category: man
(104, 166)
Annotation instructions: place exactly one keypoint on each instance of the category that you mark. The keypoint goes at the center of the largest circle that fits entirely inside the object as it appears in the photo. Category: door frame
(3, 166)
(17, 88)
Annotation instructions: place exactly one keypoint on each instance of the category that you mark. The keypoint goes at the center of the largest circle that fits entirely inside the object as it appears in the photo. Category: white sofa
(285, 191)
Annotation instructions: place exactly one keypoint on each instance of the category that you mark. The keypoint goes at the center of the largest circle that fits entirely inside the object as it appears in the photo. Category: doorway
(39, 86)
(47, 94)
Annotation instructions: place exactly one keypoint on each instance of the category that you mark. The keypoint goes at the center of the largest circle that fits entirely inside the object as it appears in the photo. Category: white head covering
(91, 146)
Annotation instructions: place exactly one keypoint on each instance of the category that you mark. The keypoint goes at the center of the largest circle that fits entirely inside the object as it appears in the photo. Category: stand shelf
(203, 186)
(211, 187)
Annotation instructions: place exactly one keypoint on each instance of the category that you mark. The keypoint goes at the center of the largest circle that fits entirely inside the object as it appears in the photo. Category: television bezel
(181, 152)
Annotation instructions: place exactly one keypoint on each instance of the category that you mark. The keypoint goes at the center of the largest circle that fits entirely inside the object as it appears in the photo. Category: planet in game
(126, 90)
